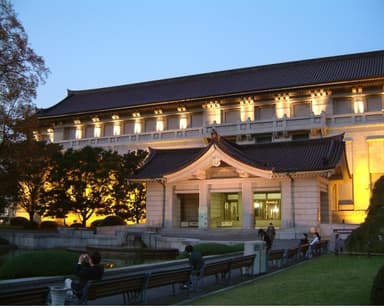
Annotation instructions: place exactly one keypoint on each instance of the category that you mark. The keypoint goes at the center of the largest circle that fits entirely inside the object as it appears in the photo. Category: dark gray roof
(245, 80)
(280, 157)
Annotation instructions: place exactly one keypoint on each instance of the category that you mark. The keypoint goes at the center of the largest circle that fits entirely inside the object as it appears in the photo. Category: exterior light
(115, 117)
(95, 119)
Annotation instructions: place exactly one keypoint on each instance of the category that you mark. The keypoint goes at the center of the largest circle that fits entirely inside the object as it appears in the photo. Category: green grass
(328, 280)
(39, 263)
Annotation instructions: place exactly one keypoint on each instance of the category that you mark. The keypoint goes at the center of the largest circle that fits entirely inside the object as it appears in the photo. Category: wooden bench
(134, 287)
(303, 251)
(241, 263)
(323, 247)
(276, 257)
(218, 268)
(292, 255)
(170, 277)
(131, 287)
(31, 296)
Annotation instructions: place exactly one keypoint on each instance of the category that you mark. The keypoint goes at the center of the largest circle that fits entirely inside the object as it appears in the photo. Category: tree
(369, 236)
(128, 199)
(24, 174)
(21, 72)
(79, 183)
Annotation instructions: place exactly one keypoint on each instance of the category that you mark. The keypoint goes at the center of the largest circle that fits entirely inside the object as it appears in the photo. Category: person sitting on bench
(88, 268)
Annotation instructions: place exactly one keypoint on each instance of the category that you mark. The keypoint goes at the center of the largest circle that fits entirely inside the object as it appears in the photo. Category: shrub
(18, 221)
(208, 249)
(377, 291)
(31, 225)
(96, 223)
(48, 225)
(369, 236)
(76, 225)
(112, 221)
(39, 263)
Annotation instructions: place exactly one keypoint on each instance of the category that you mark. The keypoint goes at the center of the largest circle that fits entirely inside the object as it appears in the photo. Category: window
(301, 110)
(150, 125)
(108, 130)
(232, 116)
(69, 133)
(342, 105)
(267, 205)
(197, 119)
(265, 112)
(173, 122)
(374, 103)
(129, 127)
(89, 131)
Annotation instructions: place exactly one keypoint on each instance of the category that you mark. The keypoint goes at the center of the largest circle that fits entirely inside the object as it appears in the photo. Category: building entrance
(189, 210)
(225, 210)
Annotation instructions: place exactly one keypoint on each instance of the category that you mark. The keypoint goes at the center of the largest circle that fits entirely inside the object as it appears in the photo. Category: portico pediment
(215, 163)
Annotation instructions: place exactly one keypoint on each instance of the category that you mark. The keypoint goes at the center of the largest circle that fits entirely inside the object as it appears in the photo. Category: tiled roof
(245, 80)
(279, 157)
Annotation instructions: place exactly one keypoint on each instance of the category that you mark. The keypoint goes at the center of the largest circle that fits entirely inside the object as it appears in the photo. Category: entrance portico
(243, 187)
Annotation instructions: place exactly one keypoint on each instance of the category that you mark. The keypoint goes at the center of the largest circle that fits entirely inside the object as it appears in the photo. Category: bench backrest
(117, 285)
(216, 267)
(276, 254)
(158, 279)
(242, 261)
(36, 296)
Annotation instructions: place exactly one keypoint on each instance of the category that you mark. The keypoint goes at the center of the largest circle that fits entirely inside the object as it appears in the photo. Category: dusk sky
(98, 43)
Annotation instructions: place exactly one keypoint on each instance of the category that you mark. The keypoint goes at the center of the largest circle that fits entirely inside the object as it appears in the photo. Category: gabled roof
(274, 77)
(281, 157)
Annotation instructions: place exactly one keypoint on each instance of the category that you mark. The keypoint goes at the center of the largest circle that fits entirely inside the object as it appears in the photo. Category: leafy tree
(128, 199)
(369, 237)
(24, 174)
(21, 72)
(79, 183)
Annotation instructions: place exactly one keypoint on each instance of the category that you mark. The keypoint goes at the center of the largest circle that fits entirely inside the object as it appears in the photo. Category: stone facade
(293, 105)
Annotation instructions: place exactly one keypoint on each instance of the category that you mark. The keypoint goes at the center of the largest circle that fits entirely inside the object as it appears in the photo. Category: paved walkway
(164, 295)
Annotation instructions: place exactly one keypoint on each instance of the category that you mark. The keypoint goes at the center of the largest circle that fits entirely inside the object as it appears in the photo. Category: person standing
(271, 232)
(263, 235)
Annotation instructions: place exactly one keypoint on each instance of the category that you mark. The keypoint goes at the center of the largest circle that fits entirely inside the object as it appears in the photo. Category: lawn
(328, 280)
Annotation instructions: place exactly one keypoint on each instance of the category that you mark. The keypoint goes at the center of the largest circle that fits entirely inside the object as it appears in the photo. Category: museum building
(298, 144)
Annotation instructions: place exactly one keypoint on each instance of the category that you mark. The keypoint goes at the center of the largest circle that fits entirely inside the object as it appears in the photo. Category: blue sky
(100, 43)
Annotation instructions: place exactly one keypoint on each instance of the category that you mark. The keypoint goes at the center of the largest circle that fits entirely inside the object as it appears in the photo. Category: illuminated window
(267, 205)
(159, 124)
(79, 132)
(116, 129)
(50, 134)
(358, 106)
(97, 131)
(183, 123)
(137, 127)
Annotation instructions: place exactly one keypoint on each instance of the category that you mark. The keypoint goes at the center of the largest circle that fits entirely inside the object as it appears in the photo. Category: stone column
(247, 201)
(203, 205)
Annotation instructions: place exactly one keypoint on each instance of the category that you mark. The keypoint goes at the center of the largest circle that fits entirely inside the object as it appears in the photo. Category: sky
(90, 44)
